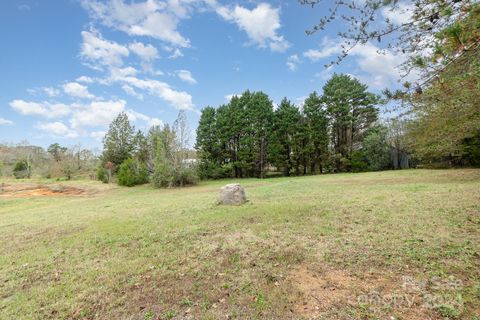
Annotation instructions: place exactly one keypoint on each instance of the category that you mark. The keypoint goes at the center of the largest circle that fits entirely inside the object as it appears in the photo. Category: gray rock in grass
(232, 194)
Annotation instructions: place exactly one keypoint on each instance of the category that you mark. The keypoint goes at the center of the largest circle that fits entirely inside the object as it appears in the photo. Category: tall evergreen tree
(207, 144)
(118, 143)
(259, 114)
(285, 124)
(352, 110)
(317, 125)
(140, 147)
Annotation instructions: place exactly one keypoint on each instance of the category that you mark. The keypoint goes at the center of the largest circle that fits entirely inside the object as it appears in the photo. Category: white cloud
(145, 52)
(51, 92)
(136, 116)
(117, 74)
(292, 62)
(178, 99)
(130, 91)
(97, 135)
(100, 52)
(330, 48)
(127, 78)
(380, 69)
(97, 113)
(84, 79)
(261, 24)
(151, 18)
(176, 54)
(5, 122)
(77, 90)
(57, 128)
(186, 76)
(44, 109)
(81, 117)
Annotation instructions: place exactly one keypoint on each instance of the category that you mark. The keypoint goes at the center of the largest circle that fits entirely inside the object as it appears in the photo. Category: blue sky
(69, 66)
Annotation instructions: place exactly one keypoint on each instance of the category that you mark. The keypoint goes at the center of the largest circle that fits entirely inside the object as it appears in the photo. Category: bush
(210, 170)
(168, 177)
(358, 162)
(184, 177)
(376, 148)
(102, 174)
(132, 172)
(22, 169)
(471, 150)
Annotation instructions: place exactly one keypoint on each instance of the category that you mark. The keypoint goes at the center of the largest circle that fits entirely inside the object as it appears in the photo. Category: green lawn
(401, 244)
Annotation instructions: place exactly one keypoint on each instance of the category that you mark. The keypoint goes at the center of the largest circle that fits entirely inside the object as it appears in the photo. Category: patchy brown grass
(21, 190)
(326, 293)
(347, 246)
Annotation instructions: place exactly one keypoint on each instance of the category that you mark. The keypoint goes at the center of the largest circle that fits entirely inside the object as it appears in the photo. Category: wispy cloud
(261, 24)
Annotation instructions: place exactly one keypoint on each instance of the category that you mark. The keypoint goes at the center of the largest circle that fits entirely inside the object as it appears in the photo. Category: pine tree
(207, 144)
(285, 124)
(317, 124)
(260, 115)
(352, 110)
(118, 143)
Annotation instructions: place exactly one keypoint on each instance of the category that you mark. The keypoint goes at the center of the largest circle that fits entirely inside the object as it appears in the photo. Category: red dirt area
(324, 294)
(34, 190)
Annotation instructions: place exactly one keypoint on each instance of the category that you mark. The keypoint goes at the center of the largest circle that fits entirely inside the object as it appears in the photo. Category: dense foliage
(160, 156)
(132, 172)
(22, 169)
(439, 41)
(446, 120)
(56, 161)
(118, 143)
(247, 137)
(171, 166)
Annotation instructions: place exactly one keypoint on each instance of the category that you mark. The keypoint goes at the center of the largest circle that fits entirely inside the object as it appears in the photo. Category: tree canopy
(248, 136)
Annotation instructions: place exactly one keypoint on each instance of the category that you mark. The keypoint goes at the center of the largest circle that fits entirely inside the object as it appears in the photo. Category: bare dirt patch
(35, 190)
(326, 293)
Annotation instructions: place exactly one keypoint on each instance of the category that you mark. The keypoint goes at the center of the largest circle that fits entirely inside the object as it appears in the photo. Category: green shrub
(376, 148)
(168, 177)
(211, 170)
(132, 172)
(358, 162)
(102, 174)
(22, 169)
(471, 150)
(162, 177)
(184, 176)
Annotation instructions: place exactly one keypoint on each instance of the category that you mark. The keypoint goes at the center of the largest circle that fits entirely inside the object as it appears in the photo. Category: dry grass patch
(23, 190)
(325, 293)
(321, 247)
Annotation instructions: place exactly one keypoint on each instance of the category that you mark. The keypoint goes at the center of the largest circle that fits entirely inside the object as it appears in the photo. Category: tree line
(439, 113)
(333, 132)
(24, 160)
(159, 156)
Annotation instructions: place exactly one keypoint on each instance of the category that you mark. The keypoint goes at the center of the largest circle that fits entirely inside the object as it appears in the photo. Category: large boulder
(232, 194)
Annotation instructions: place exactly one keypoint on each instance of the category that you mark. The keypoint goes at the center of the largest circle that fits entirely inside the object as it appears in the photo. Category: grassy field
(386, 245)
